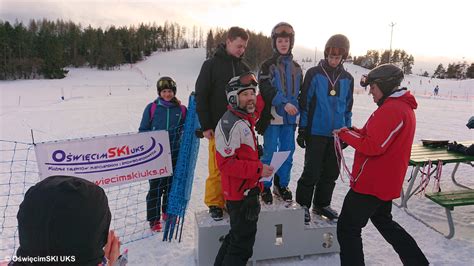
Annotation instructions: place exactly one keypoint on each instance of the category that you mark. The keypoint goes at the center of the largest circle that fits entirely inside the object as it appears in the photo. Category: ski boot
(283, 192)
(327, 212)
(216, 213)
(267, 196)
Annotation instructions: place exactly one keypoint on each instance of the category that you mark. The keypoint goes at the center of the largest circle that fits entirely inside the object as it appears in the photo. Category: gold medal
(332, 92)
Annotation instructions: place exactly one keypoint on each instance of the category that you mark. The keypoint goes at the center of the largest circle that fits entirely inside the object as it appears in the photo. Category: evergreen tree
(209, 44)
(385, 57)
(407, 64)
(440, 72)
(470, 71)
(451, 71)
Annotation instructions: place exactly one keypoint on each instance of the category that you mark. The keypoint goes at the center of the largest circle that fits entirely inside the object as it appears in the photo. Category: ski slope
(100, 102)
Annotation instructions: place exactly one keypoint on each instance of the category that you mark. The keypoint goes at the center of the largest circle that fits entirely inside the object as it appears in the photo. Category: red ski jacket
(383, 147)
(237, 154)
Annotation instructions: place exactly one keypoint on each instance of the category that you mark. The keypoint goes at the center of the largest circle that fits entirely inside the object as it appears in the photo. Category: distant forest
(459, 70)
(44, 48)
(373, 58)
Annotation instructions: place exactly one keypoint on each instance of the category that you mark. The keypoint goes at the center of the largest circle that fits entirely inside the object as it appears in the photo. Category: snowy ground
(109, 102)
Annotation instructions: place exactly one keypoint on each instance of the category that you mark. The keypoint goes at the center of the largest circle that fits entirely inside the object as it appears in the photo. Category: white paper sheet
(277, 160)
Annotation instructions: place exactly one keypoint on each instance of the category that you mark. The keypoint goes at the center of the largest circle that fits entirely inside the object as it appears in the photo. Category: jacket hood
(405, 96)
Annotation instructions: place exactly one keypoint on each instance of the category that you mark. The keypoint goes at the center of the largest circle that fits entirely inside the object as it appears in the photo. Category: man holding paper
(241, 170)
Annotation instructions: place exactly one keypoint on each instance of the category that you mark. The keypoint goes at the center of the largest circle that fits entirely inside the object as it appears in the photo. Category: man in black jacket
(211, 104)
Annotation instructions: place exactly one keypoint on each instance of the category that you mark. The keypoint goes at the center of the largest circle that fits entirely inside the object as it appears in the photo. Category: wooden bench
(421, 155)
(451, 199)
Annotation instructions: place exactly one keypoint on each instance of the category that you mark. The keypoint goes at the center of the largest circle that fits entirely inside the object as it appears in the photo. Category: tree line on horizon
(374, 58)
(44, 48)
(459, 70)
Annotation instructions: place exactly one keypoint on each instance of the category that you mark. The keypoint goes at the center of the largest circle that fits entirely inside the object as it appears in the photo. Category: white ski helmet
(239, 84)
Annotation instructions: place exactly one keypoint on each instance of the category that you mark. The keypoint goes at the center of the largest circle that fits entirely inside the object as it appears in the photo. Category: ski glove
(263, 122)
(301, 139)
(251, 204)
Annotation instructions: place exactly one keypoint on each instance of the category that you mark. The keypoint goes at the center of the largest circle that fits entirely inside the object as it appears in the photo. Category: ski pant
(213, 195)
(237, 247)
(279, 138)
(356, 211)
(321, 169)
(157, 197)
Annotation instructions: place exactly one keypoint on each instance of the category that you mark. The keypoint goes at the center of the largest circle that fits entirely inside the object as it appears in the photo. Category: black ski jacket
(211, 100)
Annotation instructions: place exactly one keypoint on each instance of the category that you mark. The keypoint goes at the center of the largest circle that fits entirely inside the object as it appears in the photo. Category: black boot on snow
(267, 196)
(327, 212)
(283, 192)
(216, 213)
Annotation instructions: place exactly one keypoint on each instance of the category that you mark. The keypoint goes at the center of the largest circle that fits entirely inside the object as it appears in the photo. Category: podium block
(281, 232)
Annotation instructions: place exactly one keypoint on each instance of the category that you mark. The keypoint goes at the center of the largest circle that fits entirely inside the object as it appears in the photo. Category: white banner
(108, 160)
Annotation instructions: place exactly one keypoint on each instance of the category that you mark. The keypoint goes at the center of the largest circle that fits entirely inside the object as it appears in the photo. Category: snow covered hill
(109, 102)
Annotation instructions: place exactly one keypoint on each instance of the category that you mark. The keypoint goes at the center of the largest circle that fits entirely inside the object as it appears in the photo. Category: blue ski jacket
(169, 118)
(280, 82)
(326, 99)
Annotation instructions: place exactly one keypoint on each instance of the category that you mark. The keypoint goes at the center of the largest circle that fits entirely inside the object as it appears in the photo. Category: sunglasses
(167, 83)
(284, 29)
(248, 79)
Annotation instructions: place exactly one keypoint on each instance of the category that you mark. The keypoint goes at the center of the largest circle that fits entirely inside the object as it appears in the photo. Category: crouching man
(241, 169)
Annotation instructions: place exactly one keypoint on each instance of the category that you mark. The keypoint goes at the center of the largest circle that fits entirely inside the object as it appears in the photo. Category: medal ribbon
(333, 84)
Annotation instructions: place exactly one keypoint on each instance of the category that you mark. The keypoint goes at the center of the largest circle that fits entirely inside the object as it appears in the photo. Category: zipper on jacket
(151, 122)
(167, 119)
(360, 171)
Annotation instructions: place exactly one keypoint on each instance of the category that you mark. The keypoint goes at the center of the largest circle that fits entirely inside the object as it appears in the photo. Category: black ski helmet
(386, 76)
(166, 83)
(283, 29)
(239, 84)
(337, 41)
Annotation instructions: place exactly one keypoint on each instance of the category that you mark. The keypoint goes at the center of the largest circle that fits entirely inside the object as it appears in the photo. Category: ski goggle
(284, 29)
(248, 79)
(166, 83)
(364, 81)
